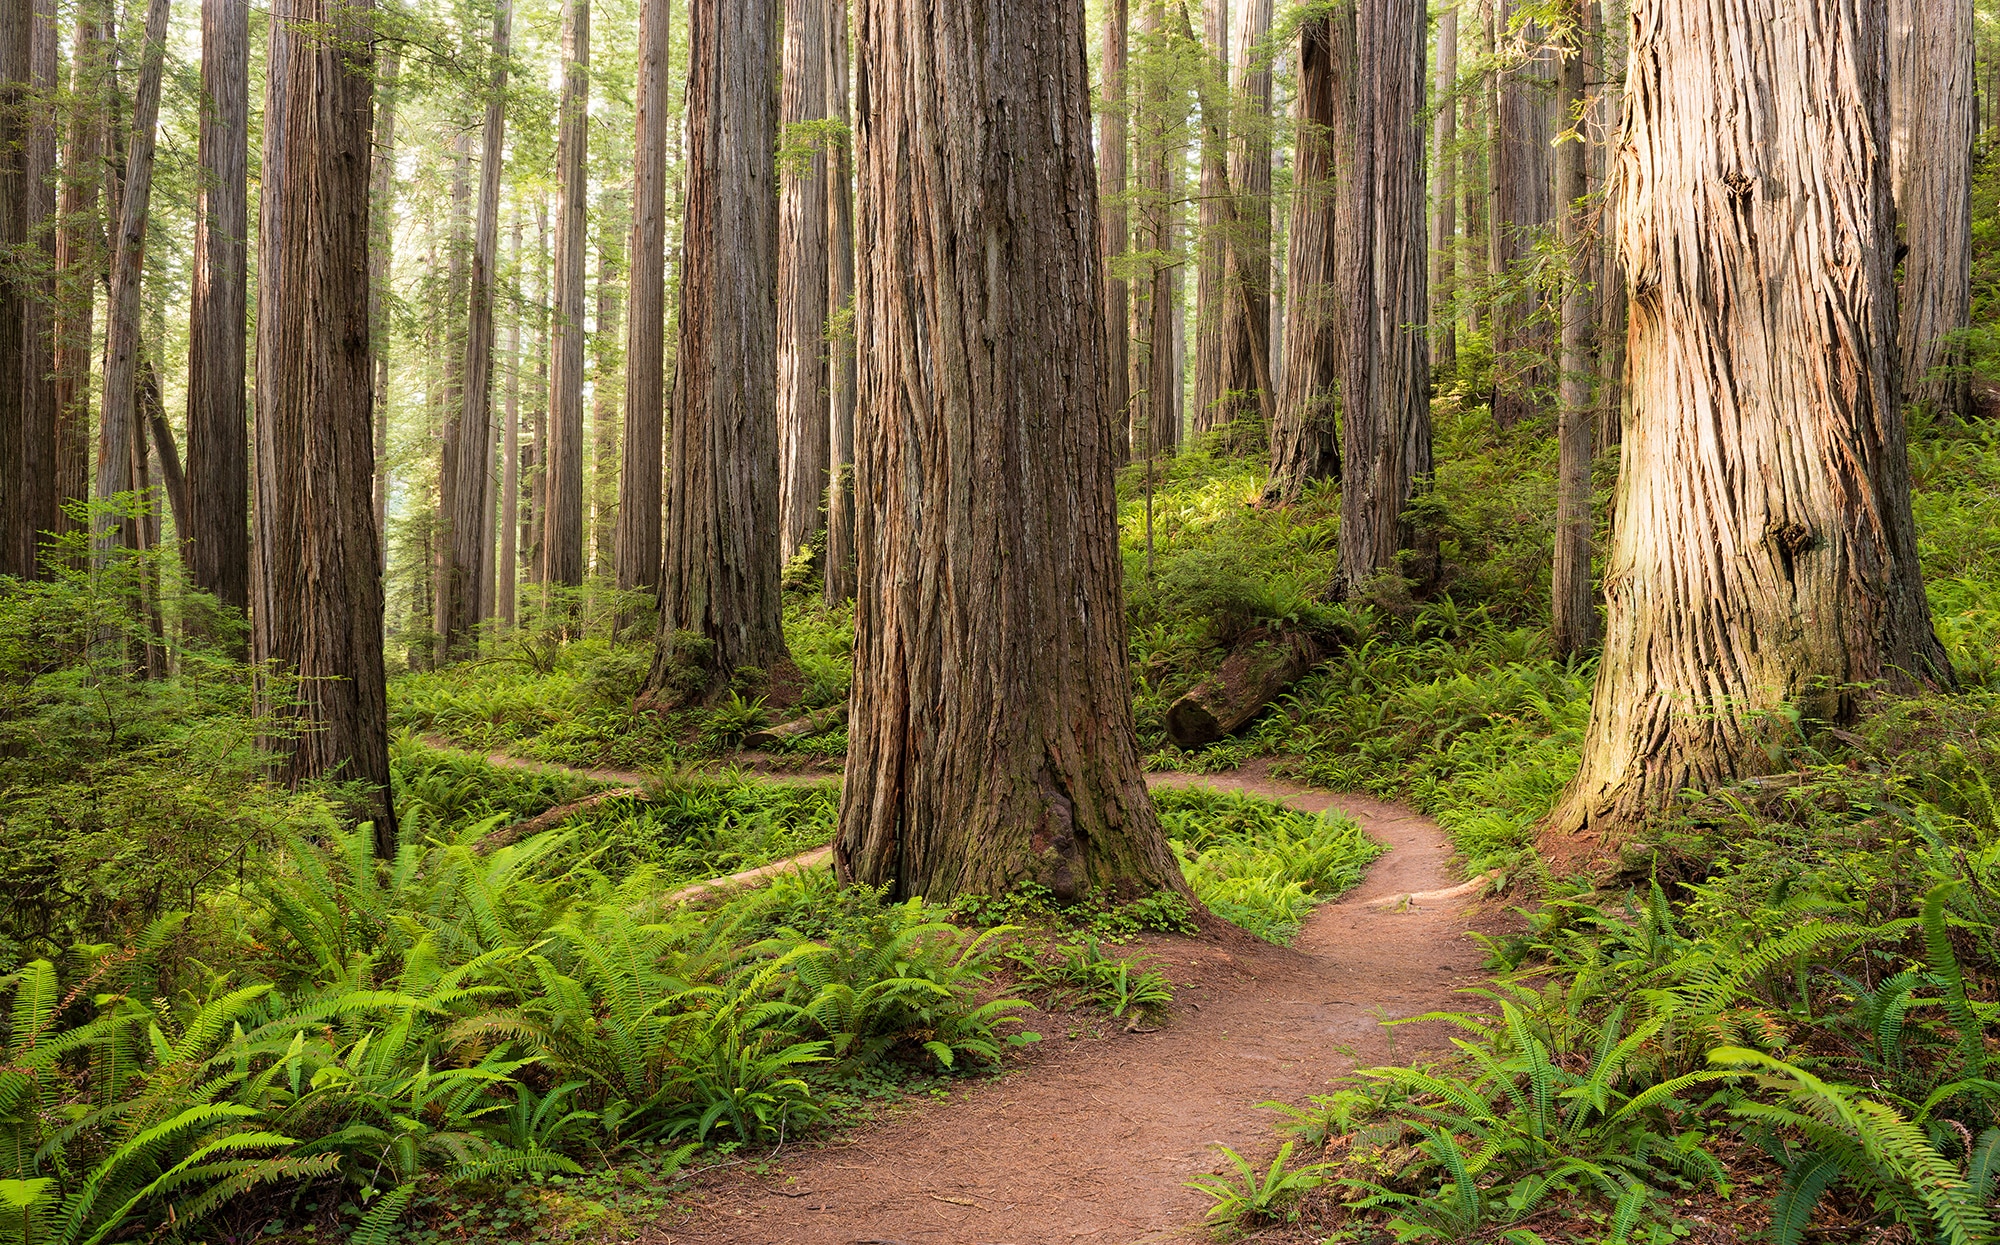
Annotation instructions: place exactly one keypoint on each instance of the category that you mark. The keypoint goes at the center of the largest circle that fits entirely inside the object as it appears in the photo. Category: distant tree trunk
(838, 579)
(79, 259)
(1305, 443)
(322, 568)
(1114, 144)
(609, 402)
(1382, 268)
(641, 467)
(1611, 268)
(507, 584)
(1248, 368)
(38, 496)
(805, 437)
(992, 732)
(1573, 614)
(1933, 117)
(381, 254)
(1521, 206)
(173, 477)
(118, 432)
(1444, 218)
(1211, 235)
(562, 533)
(218, 465)
(721, 577)
(538, 487)
(1763, 556)
(16, 87)
(468, 495)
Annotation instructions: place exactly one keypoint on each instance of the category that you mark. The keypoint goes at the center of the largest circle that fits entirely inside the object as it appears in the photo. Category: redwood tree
(991, 727)
(1573, 613)
(562, 453)
(721, 578)
(838, 577)
(1932, 113)
(1764, 559)
(640, 465)
(1246, 309)
(1114, 151)
(804, 413)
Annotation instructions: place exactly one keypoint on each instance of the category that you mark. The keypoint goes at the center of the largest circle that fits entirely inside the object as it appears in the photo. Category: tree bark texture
(16, 94)
(381, 253)
(641, 465)
(1572, 609)
(218, 442)
(32, 490)
(721, 577)
(80, 250)
(1113, 150)
(838, 577)
(1521, 206)
(468, 496)
(1248, 369)
(805, 438)
(608, 403)
(1763, 555)
(1932, 121)
(991, 727)
(507, 583)
(118, 431)
(321, 567)
(1444, 212)
(536, 484)
(1211, 238)
(562, 533)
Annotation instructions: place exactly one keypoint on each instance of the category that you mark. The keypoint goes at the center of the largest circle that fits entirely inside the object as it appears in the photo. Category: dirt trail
(1093, 1139)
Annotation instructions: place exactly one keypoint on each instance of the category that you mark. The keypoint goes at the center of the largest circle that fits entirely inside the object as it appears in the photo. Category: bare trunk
(507, 584)
(16, 91)
(468, 496)
(1764, 558)
(538, 476)
(1611, 268)
(992, 735)
(838, 579)
(608, 402)
(1444, 171)
(1248, 367)
(641, 467)
(1520, 206)
(1114, 145)
(1572, 614)
(721, 579)
(562, 534)
(34, 492)
(218, 531)
(805, 437)
(1211, 236)
(173, 478)
(80, 248)
(1932, 122)
(381, 254)
(321, 567)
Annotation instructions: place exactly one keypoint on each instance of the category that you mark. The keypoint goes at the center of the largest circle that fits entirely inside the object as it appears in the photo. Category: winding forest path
(1093, 1138)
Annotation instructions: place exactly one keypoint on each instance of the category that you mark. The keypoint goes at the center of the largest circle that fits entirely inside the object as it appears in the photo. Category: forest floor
(1091, 1134)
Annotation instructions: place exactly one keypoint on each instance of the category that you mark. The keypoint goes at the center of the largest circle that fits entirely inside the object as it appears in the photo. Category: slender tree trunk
(381, 255)
(722, 572)
(1573, 615)
(609, 402)
(1521, 206)
(1611, 280)
(992, 727)
(805, 436)
(218, 514)
(34, 488)
(1933, 117)
(1305, 443)
(507, 585)
(17, 19)
(79, 258)
(562, 536)
(1211, 236)
(538, 491)
(641, 466)
(1152, 316)
(838, 579)
(1248, 369)
(118, 433)
(453, 442)
(173, 477)
(321, 568)
(468, 495)
(1114, 145)
(1764, 557)
(1444, 218)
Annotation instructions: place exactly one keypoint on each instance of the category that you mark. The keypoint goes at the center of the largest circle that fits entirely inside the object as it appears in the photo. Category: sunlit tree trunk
(1113, 152)
(80, 248)
(992, 732)
(381, 255)
(1444, 171)
(1933, 116)
(321, 566)
(838, 579)
(1572, 614)
(1248, 367)
(608, 403)
(1211, 235)
(642, 466)
(507, 583)
(721, 578)
(536, 484)
(562, 454)
(805, 437)
(1763, 559)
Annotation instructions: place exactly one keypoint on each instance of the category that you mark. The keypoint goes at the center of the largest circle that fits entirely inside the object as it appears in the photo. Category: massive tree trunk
(31, 485)
(1247, 366)
(1763, 557)
(804, 427)
(1305, 442)
(218, 457)
(608, 403)
(1113, 146)
(838, 579)
(381, 253)
(641, 466)
(992, 735)
(1520, 206)
(562, 532)
(1572, 613)
(1211, 236)
(321, 565)
(1382, 269)
(79, 258)
(1444, 216)
(118, 433)
(721, 578)
(507, 582)
(1932, 119)
(467, 497)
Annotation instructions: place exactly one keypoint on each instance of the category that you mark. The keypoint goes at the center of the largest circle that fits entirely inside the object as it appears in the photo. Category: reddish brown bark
(641, 466)
(562, 530)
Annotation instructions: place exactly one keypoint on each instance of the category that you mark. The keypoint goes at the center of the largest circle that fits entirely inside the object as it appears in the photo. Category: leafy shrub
(1081, 971)
(1258, 864)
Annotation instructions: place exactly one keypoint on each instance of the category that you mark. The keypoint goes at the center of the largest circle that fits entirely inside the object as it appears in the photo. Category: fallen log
(798, 728)
(1263, 664)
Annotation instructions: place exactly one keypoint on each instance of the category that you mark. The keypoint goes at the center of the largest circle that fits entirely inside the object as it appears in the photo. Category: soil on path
(1092, 1140)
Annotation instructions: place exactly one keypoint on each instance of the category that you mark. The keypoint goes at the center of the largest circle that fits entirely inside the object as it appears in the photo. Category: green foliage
(684, 829)
(1096, 915)
(1258, 864)
(1081, 971)
(1251, 1197)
